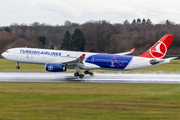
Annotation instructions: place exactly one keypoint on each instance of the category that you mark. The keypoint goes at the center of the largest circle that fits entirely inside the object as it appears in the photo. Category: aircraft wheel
(91, 74)
(17, 67)
(76, 74)
(86, 72)
(81, 75)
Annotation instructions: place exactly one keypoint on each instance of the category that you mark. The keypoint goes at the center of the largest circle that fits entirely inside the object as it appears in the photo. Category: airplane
(60, 60)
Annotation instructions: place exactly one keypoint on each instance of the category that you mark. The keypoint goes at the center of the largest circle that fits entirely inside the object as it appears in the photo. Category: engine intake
(53, 67)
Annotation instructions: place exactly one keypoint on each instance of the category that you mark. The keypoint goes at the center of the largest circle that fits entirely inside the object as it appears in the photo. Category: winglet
(132, 50)
(82, 56)
(160, 48)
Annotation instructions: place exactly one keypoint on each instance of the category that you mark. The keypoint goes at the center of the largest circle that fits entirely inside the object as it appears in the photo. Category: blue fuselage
(109, 61)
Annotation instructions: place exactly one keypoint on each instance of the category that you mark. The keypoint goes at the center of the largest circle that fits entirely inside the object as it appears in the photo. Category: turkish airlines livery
(60, 60)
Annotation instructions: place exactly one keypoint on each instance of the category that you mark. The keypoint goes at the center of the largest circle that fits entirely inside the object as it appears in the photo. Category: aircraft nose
(3, 54)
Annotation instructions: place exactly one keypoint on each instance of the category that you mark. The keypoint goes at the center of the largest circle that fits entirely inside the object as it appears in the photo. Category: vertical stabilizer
(159, 49)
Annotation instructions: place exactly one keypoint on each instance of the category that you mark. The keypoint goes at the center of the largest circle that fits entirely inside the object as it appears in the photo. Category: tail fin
(159, 49)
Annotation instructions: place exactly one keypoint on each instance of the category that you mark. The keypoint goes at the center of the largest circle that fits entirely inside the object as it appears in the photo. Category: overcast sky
(56, 12)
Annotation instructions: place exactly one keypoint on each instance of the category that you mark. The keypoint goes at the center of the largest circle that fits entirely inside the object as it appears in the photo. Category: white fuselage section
(43, 56)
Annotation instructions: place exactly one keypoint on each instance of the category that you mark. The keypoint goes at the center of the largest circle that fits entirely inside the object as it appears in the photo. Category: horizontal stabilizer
(171, 58)
(157, 61)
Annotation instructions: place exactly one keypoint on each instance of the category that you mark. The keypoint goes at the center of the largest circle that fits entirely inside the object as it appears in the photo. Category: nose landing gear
(17, 65)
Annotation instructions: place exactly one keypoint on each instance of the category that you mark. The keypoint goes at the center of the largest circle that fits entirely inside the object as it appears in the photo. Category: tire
(76, 74)
(17, 67)
(86, 72)
(81, 75)
(91, 74)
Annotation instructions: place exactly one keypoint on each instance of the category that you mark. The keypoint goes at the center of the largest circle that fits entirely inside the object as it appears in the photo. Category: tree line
(76, 42)
(92, 36)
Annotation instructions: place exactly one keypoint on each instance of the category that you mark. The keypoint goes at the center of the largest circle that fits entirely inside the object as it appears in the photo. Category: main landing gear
(76, 74)
(17, 65)
(81, 75)
(88, 72)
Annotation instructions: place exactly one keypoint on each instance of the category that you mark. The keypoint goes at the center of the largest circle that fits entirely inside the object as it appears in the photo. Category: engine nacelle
(53, 67)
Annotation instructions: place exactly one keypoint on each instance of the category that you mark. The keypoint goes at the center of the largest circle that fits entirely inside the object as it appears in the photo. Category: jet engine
(53, 67)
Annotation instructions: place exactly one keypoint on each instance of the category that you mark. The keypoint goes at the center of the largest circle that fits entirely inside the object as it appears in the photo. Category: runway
(97, 78)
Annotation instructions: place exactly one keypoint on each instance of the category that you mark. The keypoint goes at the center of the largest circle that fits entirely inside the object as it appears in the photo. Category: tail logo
(159, 50)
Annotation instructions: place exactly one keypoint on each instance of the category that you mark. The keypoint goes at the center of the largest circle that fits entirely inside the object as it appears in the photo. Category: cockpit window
(7, 51)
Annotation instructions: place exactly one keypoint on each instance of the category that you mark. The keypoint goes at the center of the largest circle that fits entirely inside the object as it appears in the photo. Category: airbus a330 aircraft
(60, 60)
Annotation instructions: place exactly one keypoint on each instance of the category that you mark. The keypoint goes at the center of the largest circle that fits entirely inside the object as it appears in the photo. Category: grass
(9, 66)
(87, 101)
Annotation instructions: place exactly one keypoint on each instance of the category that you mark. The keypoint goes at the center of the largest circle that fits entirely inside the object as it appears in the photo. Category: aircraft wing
(125, 53)
(77, 61)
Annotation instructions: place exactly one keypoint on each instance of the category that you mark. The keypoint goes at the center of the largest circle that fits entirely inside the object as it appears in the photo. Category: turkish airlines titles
(36, 52)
